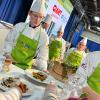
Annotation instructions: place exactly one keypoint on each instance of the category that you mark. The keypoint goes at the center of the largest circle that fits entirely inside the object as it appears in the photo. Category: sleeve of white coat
(84, 70)
(11, 39)
(42, 56)
(13, 94)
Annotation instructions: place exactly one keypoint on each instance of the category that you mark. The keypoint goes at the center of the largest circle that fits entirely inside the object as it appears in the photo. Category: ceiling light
(98, 28)
(96, 18)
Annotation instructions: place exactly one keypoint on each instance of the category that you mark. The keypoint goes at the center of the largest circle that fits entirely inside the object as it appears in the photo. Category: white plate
(28, 73)
(29, 86)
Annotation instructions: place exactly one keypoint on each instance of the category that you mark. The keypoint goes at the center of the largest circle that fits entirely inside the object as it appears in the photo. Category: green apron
(25, 50)
(94, 80)
(74, 59)
(55, 49)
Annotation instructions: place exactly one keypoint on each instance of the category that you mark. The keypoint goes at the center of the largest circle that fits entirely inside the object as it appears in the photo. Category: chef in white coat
(47, 21)
(89, 72)
(29, 40)
(74, 56)
(87, 77)
(57, 45)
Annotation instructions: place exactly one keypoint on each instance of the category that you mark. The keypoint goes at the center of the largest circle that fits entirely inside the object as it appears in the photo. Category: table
(39, 90)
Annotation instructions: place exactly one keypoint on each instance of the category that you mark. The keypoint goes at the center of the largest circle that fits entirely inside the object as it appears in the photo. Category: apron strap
(24, 28)
(37, 43)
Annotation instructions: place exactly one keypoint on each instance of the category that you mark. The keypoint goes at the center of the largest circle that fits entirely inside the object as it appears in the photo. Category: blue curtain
(73, 29)
(92, 46)
(69, 25)
(14, 11)
(75, 25)
(77, 33)
(3, 8)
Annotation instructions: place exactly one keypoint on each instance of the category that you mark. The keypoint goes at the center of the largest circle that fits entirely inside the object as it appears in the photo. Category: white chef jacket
(89, 64)
(42, 49)
(63, 45)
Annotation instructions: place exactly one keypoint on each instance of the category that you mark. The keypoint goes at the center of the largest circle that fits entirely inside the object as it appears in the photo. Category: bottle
(2, 59)
(65, 93)
(72, 88)
(7, 64)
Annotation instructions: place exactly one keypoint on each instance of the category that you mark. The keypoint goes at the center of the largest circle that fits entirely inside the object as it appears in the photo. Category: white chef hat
(39, 7)
(84, 40)
(61, 29)
(48, 19)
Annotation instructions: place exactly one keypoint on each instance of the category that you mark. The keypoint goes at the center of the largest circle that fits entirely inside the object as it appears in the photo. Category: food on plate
(14, 82)
(39, 75)
(23, 87)
(9, 82)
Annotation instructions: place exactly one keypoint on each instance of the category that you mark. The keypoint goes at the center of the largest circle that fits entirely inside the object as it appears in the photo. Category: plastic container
(71, 88)
(2, 59)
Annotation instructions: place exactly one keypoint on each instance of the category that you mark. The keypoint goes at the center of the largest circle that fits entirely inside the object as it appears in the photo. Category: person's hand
(34, 67)
(91, 93)
(9, 59)
(50, 92)
(51, 88)
(46, 71)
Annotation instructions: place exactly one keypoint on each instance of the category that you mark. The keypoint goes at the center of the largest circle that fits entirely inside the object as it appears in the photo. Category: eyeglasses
(36, 16)
(81, 44)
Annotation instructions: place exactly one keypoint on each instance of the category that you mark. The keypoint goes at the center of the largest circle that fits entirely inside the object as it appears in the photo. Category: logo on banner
(57, 10)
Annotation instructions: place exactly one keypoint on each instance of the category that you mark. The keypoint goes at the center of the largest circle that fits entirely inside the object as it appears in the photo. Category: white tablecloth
(38, 90)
